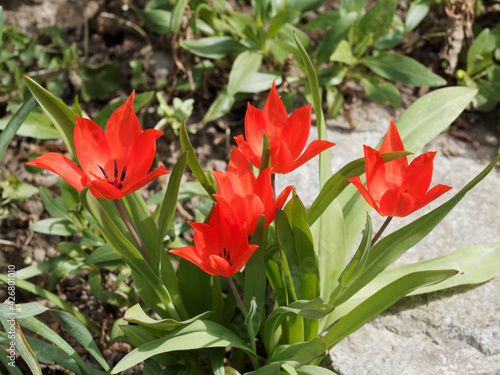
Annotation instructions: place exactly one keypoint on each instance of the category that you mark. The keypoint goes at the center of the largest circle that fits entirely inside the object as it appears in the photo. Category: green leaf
(32, 288)
(480, 53)
(23, 310)
(40, 328)
(334, 101)
(136, 314)
(323, 20)
(380, 91)
(314, 370)
(343, 53)
(304, 5)
(61, 116)
(199, 334)
(169, 204)
(220, 106)
(261, 81)
(391, 247)
(333, 37)
(103, 254)
(394, 35)
(177, 15)
(36, 125)
(244, 66)
(54, 206)
(213, 47)
(381, 300)
(193, 162)
(281, 18)
(314, 309)
(157, 20)
(21, 345)
(339, 181)
(347, 6)
(376, 22)
(54, 226)
(255, 279)
(416, 12)
(80, 333)
(15, 122)
(100, 80)
(402, 68)
(300, 354)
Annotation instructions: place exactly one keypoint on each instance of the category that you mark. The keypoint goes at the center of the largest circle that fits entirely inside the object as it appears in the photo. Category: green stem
(239, 302)
(381, 230)
(134, 234)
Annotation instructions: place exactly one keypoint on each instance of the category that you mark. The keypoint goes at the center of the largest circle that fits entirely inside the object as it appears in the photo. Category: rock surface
(455, 331)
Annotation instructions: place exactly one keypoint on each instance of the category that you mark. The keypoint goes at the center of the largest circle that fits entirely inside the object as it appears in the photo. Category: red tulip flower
(250, 196)
(396, 188)
(115, 162)
(287, 135)
(221, 246)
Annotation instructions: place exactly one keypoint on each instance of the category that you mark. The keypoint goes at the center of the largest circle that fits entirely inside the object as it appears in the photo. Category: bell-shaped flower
(221, 247)
(396, 188)
(114, 162)
(287, 135)
(250, 196)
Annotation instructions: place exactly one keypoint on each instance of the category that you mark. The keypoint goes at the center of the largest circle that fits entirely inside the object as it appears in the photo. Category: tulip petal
(61, 165)
(122, 130)
(92, 149)
(315, 148)
(278, 204)
(255, 125)
(206, 238)
(141, 156)
(281, 159)
(432, 194)
(275, 115)
(375, 173)
(127, 189)
(395, 202)
(103, 189)
(193, 255)
(224, 187)
(418, 176)
(356, 181)
(249, 153)
(240, 173)
(395, 169)
(296, 130)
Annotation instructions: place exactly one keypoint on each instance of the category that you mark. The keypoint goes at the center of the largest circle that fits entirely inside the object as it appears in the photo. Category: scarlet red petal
(141, 156)
(356, 181)
(92, 148)
(193, 255)
(61, 165)
(394, 170)
(250, 155)
(255, 125)
(122, 130)
(315, 148)
(418, 176)
(281, 159)
(127, 189)
(242, 259)
(296, 130)
(249, 209)
(220, 267)
(103, 189)
(206, 239)
(240, 173)
(263, 188)
(395, 202)
(224, 186)
(375, 173)
(432, 194)
(275, 115)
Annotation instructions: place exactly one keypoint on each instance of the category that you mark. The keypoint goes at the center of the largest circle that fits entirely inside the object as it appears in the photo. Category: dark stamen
(229, 257)
(116, 169)
(103, 171)
(220, 254)
(124, 172)
(120, 185)
(225, 255)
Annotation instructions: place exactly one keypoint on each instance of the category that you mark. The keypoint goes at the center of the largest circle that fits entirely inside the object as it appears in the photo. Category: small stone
(39, 255)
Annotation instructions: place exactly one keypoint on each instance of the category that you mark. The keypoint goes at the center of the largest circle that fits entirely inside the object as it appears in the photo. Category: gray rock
(449, 332)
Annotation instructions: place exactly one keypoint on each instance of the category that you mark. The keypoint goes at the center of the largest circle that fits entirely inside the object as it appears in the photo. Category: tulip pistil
(114, 181)
(227, 256)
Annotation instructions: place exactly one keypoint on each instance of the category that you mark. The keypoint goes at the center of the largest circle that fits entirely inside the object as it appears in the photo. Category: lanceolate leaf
(199, 334)
(61, 116)
(193, 162)
(402, 68)
(177, 15)
(390, 248)
(244, 66)
(381, 300)
(15, 122)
